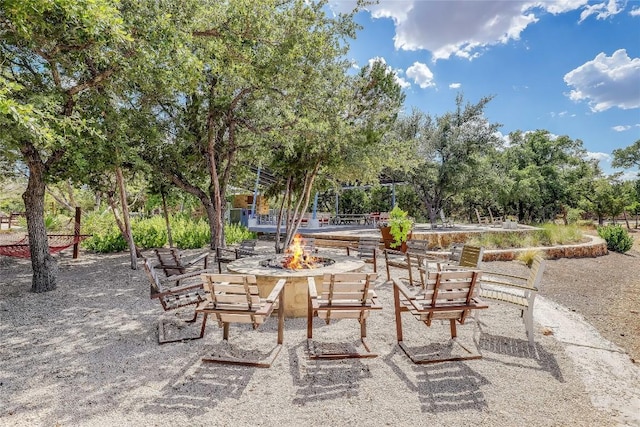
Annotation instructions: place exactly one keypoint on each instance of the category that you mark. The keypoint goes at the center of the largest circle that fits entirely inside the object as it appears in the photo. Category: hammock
(57, 243)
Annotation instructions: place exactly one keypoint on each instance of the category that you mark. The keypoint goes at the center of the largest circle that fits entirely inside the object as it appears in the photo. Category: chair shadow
(200, 387)
(322, 380)
(519, 348)
(441, 387)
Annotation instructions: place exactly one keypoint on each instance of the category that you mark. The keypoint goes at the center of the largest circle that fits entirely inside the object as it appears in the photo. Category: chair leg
(396, 299)
(281, 318)
(162, 334)
(528, 324)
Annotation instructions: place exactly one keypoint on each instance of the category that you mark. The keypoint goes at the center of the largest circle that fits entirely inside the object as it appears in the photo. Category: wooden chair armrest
(203, 256)
(313, 291)
(176, 290)
(479, 303)
(265, 310)
(404, 290)
(485, 281)
(508, 276)
(277, 289)
(393, 252)
(185, 276)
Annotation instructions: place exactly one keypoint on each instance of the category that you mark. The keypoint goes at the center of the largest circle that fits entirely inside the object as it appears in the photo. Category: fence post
(76, 233)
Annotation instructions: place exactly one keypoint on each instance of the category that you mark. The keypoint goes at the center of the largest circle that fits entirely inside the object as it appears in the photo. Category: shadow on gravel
(441, 387)
(519, 348)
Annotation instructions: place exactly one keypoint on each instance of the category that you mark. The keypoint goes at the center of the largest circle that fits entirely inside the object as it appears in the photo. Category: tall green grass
(547, 235)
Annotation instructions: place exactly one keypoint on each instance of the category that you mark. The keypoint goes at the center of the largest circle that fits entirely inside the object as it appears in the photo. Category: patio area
(91, 352)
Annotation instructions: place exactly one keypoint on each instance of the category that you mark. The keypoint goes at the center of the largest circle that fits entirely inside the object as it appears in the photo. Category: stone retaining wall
(594, 248)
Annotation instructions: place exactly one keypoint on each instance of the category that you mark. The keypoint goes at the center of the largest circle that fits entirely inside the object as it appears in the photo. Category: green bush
(236, 233)
(187, 232)
(618, 239)
(150, 232)
(106, 240)
(190, 233)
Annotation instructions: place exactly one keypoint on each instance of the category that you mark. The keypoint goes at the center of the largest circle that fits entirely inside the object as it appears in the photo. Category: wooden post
(76, 232)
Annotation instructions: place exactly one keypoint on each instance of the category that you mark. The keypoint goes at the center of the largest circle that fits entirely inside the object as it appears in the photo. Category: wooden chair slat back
(470, 256)
(534, 281)
(366, 245)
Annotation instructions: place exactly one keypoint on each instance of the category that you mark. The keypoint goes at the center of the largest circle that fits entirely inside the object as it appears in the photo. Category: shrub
(108, 239)
(617, 238)
(235, 233)
(150, 232)
(189, 233)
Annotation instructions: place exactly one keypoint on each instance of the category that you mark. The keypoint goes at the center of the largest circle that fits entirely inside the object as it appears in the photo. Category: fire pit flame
(297, 257)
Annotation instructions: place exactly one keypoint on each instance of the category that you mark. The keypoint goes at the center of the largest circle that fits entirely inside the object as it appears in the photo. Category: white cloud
(447, 28)
(635, 11)
(607, 81)
(455, 85)
(421, 75)
(629, 176)
(602, 10)
(598, 156)
(621, 128)
(396, 72)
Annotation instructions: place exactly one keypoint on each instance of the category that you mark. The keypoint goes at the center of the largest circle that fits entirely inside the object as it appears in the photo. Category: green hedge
(187, 233)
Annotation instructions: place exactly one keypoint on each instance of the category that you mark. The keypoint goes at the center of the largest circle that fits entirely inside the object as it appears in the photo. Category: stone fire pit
(296, 289)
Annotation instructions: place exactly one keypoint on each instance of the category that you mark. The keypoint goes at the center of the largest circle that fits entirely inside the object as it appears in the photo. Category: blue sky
(571, 67)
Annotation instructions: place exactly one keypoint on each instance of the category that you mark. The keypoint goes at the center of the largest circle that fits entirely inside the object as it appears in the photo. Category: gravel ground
(86, 355)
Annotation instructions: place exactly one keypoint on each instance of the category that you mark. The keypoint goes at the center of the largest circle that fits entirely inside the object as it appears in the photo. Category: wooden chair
(465, 256)
(366, 250)
(171, 261)
(174, 297)
(446, 222)
(515, 290)
(447, 295)
(234, 298)
(406, 260)
(482, 220)
(496, 221)
(227, 255)
(461, 257)
(341, 296)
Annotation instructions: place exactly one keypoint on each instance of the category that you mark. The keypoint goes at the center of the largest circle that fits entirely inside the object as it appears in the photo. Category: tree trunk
(127, 221)
(211, 216)
(45, 267)
(119, 222)
(626, 219)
